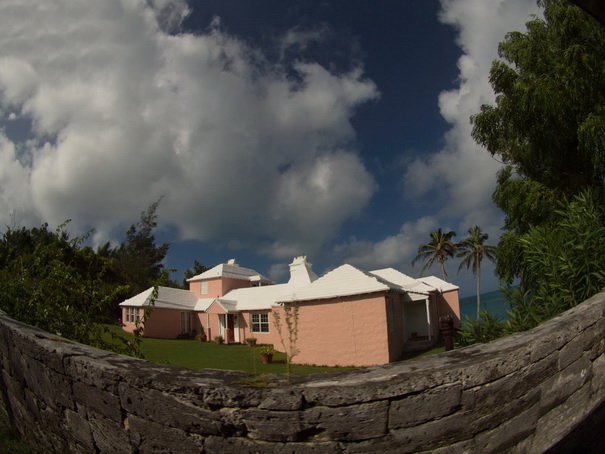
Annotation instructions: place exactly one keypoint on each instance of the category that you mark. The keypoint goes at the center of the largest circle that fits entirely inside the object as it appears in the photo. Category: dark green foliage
(50, 281)
(439, 249)
(562, 264)
(548, 122)
(485, 329)
(198, 268)
(138, 260)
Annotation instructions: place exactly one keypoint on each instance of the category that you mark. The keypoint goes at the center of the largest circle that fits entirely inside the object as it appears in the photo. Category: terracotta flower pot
(266, 358)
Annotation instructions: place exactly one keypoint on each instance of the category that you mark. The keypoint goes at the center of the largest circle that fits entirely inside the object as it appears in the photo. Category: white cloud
(124, 110)
(460, 176)
(396, 250)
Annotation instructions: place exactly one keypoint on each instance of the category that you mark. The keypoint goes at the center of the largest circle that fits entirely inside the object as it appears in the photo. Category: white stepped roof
(231, 270)
(343, 281)
(203, 304)
(170, 298)
(415, 288)
(438, 284)
(258, 298)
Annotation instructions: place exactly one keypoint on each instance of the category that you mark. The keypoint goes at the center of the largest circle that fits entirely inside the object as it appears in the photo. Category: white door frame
(236, 327)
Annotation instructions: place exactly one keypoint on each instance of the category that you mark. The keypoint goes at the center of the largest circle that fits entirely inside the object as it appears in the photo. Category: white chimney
(301, 272)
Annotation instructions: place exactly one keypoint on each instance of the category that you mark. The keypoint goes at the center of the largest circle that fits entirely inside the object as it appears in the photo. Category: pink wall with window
(129, 317)
(216, 287)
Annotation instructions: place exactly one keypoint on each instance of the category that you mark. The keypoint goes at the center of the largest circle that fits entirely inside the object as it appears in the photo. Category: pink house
(346, 317)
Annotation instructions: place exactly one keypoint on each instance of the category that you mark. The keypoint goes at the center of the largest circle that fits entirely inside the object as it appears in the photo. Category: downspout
(208, 326)
(428, 316)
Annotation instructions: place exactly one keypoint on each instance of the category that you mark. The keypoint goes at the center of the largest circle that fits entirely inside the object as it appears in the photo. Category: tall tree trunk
(478, 293)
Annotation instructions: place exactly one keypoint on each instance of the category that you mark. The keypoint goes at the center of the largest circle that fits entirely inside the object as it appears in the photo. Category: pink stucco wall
(350, 331)
(448, 304)
(164, 323)
(217, 287)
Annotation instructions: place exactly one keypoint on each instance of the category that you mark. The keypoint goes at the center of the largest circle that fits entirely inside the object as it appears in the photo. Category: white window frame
(204, 287)
(258, 321)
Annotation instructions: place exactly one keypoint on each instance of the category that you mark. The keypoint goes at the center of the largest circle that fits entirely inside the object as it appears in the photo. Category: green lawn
(209, 355)
(10, 442)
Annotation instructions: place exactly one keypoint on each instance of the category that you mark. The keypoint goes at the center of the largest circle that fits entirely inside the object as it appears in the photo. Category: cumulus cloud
(389, 251)
(125, 109)
(460, 176)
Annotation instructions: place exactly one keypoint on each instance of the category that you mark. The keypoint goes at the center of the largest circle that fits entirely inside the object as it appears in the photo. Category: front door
(236, 327)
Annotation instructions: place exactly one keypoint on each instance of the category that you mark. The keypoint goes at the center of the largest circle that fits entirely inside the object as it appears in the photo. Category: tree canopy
(548, 121)
(139, 261)
(439, 249)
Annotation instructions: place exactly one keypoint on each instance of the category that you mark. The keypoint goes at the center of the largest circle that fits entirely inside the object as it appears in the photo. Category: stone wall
(522, 393)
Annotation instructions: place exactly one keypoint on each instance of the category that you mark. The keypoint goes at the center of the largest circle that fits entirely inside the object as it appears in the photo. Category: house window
(260, 323)
(129, 314)
(185, 322)
(138, 315)
(204, 287)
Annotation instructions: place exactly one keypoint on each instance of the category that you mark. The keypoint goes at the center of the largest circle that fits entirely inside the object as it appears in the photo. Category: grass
(10, 442)
(196, 355)
(438, 348)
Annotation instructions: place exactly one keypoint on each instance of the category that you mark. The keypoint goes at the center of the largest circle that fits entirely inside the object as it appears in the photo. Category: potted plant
(251, 341)
(201, 337)
(266, 354)
(219, 339)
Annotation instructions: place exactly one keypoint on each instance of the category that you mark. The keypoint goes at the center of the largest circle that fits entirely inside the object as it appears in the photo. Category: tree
(49, 280)
(548, 122)
(139, 261)
(439, 249)
(473, 250)
(198, 268)
(562, 263)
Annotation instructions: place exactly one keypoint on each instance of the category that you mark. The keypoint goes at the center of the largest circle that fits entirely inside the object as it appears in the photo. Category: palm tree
(439, 249)
(473, 250)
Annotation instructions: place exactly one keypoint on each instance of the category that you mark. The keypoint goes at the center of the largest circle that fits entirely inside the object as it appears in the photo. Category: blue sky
(338, 129)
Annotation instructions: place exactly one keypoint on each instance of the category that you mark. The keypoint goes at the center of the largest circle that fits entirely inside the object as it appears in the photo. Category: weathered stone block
(355, 422)
(597, 386)
(270, 425)
(561, 420)
(149, 437)
(507, 411)
(162, 408)
(486, 399)
(95, 371)
(53, 388)
(431, 404)
(451, 429)
(109, 436)
(572, 351)
(510, 432)
(102, 402)
(237, 444)
(560, 386)
(78, 430)
(280, 399)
